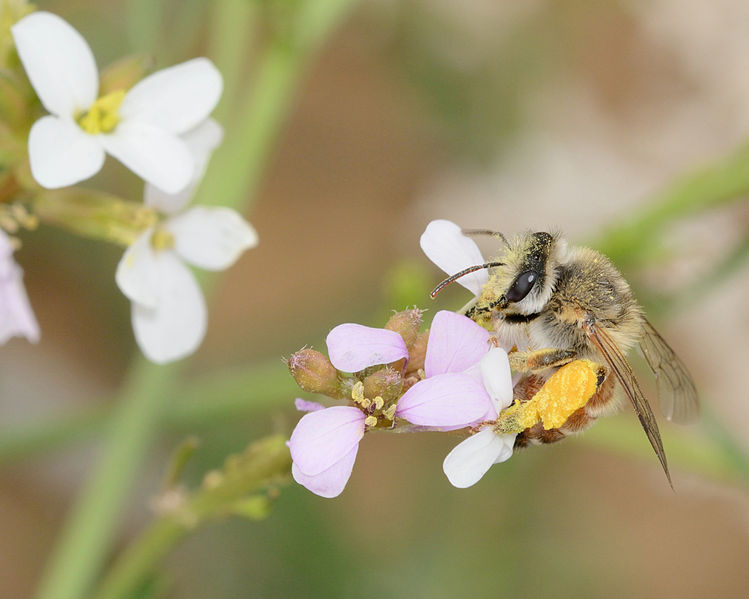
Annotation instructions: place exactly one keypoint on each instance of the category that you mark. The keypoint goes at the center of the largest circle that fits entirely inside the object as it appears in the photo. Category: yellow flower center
(374, 409)
(102, 117)
(161, 239)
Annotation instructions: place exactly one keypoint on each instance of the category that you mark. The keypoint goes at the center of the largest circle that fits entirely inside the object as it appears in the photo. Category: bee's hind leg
(535, 361)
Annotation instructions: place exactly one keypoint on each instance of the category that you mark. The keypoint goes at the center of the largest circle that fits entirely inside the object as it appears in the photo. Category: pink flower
(454, 394)
(16, 317)
(325, 441)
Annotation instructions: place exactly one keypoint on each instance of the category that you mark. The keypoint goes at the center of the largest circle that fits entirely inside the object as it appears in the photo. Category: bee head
(526, 279)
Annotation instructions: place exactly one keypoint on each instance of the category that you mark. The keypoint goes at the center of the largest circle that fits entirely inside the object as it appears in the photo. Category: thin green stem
(82, 546)
(87, 533)
(270, 460)
(724, 181)
(199, 403)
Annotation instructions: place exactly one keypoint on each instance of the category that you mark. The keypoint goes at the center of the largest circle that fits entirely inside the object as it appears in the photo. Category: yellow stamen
(370, 421)
(102, 117)
(161, 239)
(389, 413)
(378, 402)
(357, 392)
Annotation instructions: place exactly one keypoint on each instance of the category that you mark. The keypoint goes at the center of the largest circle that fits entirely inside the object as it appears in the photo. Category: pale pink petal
(497, 377)
(322, 438)
(470, 460)
(61, 154)
(154, 154)
(211, 237)
(175, 327)
(445, 400)
(446, 246)
(354, 347)
(455, 344)
(331, 482)
(201, 141)
(58, 62)
(16, 316)
(175, 99)
(307, 406)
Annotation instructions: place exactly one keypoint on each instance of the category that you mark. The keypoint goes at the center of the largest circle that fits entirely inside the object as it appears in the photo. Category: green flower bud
(313, 372)
(385, 383)
(407, 324)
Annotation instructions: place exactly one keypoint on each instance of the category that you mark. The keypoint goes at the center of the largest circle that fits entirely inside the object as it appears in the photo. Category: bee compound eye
(522, 286)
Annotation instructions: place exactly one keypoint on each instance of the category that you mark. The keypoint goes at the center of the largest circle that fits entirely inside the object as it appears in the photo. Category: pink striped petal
(446, 400)
(322, 438)
(331, 482)
(455, 344)
(354, 347)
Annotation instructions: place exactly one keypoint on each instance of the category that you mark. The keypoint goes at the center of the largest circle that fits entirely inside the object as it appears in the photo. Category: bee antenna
(462, 273)
(486, 232)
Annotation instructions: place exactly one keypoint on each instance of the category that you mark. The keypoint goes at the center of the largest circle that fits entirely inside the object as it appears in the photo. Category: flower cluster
(160, 128)
(459, 380)
(455, 375)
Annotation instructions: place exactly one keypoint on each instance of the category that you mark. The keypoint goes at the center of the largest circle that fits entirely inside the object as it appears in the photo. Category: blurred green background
(547, 114)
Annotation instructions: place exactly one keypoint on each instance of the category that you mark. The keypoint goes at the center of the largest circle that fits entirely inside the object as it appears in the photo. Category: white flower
(16, 317)
(140, 127)
(168, 309)
(470, 460)
(445, 244)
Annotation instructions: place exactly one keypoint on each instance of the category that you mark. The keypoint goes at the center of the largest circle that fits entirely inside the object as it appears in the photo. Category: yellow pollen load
(566, 391)
(102, 117)
(161, 239)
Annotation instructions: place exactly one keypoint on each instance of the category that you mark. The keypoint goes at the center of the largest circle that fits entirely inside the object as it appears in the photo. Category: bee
(564, 303)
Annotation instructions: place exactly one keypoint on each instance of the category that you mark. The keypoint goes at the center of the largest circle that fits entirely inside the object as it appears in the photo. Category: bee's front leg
(535, 361)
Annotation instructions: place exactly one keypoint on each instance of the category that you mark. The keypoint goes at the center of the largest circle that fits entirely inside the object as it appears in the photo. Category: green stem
(82, 546)
(197, 404)
(271, 460)
(87, 533)
(726, 180)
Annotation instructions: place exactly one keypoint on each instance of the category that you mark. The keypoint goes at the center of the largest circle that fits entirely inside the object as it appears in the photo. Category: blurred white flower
(16, 317)
(140, 127)
(168, 308)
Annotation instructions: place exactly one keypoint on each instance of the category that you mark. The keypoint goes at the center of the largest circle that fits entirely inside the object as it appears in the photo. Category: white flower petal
(201, 141)
(159, 157)
(211, 237)
(176, 326)
(61, 154)
(497, 377)
(175, 99)
(470, 460)
(137, 273)
(58, 62)
(446, 246)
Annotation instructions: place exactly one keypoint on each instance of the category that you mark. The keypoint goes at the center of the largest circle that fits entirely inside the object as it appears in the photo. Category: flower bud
(406, 323)
(385, 383)
(417, 353)
(313, 372)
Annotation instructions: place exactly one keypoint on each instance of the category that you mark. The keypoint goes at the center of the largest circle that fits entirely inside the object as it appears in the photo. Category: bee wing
(623, 372)
(677, 394)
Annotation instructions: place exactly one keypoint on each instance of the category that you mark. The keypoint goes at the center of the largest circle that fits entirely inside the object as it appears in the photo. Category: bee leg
(599, 403)
(534, 361)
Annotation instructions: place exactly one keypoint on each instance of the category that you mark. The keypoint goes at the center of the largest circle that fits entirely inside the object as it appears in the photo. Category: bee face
(524, 284)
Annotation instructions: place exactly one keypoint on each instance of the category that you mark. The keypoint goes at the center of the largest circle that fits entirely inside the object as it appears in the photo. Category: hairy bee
(567, 303)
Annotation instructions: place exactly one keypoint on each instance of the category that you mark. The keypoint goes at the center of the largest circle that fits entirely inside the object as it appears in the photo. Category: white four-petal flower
(168, 309)
(141, 128)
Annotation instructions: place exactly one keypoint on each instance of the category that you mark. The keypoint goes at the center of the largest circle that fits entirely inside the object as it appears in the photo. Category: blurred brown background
(492, 113)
